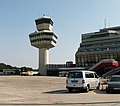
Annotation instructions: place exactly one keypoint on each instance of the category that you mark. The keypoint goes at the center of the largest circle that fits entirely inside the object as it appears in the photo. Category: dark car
(113, 84)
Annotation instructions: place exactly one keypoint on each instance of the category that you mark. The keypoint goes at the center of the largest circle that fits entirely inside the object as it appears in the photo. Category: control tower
(43, 39)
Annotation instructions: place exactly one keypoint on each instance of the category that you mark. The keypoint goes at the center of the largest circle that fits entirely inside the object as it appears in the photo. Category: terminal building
(96, 46)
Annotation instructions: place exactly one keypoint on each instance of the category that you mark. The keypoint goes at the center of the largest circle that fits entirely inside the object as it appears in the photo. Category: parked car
(113, 84)
(82, 80)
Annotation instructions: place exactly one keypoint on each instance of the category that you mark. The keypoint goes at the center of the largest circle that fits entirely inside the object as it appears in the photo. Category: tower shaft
(43, 60)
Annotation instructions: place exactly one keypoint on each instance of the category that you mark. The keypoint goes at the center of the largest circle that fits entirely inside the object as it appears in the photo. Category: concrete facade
(95, 46)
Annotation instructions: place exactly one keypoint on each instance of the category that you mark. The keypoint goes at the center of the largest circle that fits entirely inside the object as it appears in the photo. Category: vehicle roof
(81, 71)
(116, 76)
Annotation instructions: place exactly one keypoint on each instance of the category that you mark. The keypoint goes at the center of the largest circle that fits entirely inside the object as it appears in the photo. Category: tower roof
(44, 19)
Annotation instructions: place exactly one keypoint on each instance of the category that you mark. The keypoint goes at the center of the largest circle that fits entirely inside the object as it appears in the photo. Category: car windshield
(115, 79)
(75, 75)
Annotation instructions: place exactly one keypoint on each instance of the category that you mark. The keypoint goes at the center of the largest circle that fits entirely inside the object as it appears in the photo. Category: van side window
(89, 75)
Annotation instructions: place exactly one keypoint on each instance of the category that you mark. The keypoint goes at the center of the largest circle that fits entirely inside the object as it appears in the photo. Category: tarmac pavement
(44, 90)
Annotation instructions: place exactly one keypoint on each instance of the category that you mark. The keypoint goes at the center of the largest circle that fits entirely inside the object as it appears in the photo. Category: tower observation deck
(43, 39)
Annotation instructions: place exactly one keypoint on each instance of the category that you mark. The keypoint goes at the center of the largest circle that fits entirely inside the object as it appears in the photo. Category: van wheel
(70, 89)
(87, 88)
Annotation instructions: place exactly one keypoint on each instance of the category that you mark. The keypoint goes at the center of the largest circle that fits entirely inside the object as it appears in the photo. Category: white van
(82, 80)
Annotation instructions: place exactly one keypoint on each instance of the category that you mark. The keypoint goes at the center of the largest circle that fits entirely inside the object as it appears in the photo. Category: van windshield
(75, 75)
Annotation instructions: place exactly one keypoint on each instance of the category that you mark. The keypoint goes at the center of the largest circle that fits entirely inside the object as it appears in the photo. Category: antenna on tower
(109, 24)
(104, 23)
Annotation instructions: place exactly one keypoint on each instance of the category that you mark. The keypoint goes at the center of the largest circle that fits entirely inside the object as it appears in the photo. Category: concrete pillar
(43, 60)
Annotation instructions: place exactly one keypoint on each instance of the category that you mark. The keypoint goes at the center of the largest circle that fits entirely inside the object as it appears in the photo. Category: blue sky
(71, 19)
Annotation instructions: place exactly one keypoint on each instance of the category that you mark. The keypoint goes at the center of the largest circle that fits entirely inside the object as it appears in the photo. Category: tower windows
(40, 21)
